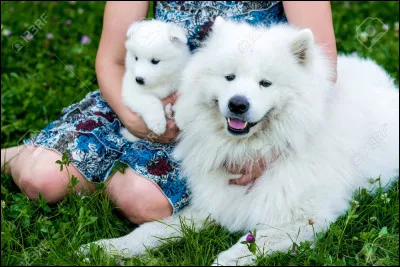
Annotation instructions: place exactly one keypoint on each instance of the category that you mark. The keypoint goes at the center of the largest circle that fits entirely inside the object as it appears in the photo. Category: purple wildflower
(250, 238)
(49, 36)
(385, 27)
(85, 39)
(7, 32)
(68, 22)
(121, 262)
(295, 249)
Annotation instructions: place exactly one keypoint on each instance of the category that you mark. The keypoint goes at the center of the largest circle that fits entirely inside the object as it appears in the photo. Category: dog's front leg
(270, 240)
(148, 235)
(135, 243)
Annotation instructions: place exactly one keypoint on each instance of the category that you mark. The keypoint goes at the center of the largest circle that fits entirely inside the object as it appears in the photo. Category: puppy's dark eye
(155, 61)
(136, 58)
(265, 83)
(230, 77)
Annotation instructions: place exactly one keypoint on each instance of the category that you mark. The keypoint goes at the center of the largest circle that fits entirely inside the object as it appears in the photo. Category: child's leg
(34, 171)
(139, 199)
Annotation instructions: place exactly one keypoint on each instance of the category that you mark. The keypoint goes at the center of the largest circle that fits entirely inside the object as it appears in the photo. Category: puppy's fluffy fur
(156, 53)
(321, 141)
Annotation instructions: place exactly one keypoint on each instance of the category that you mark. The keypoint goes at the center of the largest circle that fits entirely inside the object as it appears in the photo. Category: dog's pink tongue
(237, 124)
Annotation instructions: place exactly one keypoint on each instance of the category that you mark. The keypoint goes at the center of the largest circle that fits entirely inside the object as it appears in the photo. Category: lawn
(53, 67)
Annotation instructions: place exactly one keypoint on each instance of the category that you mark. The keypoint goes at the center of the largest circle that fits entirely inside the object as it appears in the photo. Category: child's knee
(138, 212)
(139, 200)
(47, 181)
(141, 210)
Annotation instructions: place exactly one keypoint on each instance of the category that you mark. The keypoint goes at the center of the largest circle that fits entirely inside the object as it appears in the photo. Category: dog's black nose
(238, 104)
(140, 80)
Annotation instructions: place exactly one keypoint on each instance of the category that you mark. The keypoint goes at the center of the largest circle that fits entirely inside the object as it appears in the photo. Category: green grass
(35, 86)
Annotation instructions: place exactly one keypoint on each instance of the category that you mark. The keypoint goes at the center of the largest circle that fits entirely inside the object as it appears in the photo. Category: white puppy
(254, 93)
(155, 57)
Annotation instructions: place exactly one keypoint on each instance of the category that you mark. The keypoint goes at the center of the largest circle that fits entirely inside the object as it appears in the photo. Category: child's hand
(135, 125)
(250, 172)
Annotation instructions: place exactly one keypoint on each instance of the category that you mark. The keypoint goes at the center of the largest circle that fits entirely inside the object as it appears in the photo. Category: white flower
(3, 204)
(372, 219)
(396, 26)
(86, 260)
(355, 203)
(385, 198)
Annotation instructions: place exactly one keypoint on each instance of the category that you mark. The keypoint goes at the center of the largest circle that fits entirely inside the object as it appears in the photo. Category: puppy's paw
(110, 247)
(169, 111)
(179, 118)
(156, 125)
(235, 257)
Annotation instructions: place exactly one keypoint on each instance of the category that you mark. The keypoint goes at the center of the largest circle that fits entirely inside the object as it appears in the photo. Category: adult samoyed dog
(156, 53)
(254, 94)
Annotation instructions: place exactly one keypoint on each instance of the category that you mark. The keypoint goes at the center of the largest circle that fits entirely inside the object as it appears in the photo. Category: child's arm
(110, 64)
(316, 16)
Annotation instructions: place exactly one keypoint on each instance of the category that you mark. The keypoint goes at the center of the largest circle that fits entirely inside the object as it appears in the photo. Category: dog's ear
(177, 34)
(218, 22)
(302, 45)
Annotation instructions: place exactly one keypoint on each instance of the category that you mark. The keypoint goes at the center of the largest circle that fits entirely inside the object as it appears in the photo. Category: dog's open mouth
(239, 127)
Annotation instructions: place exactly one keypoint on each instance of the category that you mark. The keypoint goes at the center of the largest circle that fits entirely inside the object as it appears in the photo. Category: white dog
(272, 98)
(155, 57)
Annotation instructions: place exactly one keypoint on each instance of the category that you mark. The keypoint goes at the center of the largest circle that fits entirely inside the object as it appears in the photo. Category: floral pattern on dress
(88, 132)
(198, 16)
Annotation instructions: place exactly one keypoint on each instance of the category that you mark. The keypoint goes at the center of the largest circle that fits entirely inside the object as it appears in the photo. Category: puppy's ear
(301, 46)
(218, 22)
(177, 34)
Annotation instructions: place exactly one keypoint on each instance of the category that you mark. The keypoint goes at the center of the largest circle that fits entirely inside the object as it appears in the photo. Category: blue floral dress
(88, 131)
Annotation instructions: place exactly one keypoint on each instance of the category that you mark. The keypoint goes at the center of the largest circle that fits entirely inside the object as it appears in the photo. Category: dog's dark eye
(136, 58)
(265, 83)
(155, 61)
(230, 77)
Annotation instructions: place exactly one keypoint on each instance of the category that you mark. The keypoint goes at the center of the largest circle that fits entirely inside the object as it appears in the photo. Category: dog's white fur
(148, 40)
(330, 139)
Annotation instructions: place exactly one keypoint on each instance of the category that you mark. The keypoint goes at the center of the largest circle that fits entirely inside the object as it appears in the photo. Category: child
(88, 131)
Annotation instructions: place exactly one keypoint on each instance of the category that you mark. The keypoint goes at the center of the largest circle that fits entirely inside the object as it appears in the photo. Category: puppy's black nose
(140, 80)
(238, 104)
